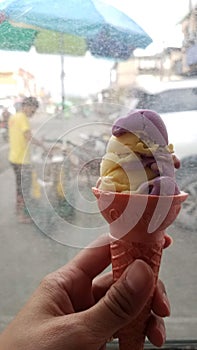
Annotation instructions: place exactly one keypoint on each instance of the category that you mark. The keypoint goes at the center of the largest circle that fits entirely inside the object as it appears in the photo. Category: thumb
(124, 300)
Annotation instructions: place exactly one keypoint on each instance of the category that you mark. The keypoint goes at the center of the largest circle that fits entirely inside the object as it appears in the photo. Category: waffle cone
(137, 229)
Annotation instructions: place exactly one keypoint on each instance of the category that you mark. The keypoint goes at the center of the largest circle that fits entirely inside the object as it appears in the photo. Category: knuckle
(49, 282)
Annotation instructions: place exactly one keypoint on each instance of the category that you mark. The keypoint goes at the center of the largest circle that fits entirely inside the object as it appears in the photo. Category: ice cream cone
(137, 229)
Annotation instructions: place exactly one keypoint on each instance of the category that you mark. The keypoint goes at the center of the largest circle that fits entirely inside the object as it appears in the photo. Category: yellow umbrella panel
(50, 42)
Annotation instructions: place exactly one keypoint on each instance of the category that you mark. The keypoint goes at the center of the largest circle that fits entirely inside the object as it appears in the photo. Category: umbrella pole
(62, 81)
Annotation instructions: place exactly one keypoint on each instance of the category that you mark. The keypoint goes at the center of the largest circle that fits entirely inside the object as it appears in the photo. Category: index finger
(93, 259)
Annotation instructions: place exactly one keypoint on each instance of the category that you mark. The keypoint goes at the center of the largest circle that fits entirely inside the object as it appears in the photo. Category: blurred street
(27, 255)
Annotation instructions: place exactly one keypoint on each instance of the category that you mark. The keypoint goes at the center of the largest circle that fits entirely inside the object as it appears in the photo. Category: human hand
(73, 308)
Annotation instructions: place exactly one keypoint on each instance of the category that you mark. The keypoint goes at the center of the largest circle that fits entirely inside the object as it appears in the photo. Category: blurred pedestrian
(20, 140)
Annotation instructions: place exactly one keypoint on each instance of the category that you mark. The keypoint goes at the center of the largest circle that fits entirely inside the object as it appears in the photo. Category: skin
(74, 308)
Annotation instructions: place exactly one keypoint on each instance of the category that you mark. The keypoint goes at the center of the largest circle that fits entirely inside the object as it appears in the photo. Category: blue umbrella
(94, 20)
(107, 32)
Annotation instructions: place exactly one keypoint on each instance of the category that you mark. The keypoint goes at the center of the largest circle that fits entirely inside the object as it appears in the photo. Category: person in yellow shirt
(20, 138)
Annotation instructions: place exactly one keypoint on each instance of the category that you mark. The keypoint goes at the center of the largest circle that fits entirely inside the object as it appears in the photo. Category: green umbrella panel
(14, 38)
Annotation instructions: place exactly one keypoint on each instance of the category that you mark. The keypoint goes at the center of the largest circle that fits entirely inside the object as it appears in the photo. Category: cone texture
(137, 229)
(132, 336)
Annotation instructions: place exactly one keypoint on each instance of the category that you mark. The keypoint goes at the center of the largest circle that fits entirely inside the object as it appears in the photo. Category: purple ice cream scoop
(142, 121)
(149, 126)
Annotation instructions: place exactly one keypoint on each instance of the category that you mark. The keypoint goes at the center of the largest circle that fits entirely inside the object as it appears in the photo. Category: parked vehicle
(176, 102)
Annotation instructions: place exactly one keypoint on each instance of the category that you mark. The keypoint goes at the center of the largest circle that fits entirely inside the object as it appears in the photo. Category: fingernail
(139, 276)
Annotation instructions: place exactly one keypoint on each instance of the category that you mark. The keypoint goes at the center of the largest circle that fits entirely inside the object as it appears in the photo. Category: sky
(86, 75)
(159, 18)
(83, 76)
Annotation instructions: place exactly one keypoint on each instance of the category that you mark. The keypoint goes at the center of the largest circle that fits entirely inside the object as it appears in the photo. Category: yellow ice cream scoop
(137, 153)
(121, 168)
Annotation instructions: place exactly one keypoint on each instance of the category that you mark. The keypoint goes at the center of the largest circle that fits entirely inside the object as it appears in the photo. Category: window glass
(54, 214)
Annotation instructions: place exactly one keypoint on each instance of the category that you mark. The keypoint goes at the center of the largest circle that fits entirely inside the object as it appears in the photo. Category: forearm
(38, 143)
(30, 138)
